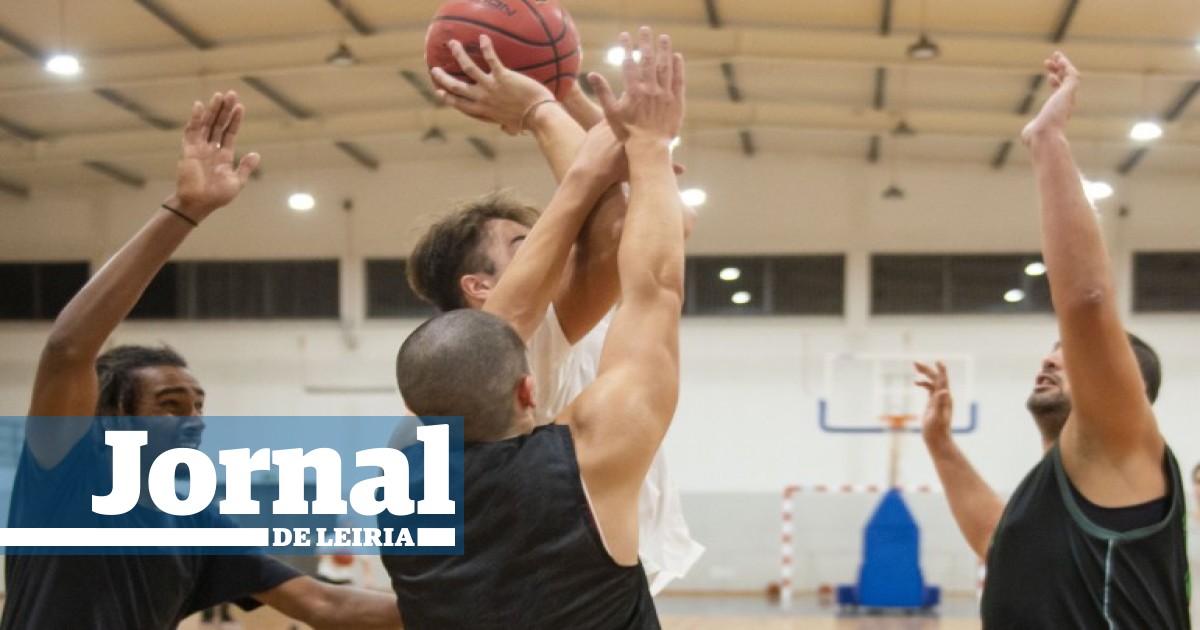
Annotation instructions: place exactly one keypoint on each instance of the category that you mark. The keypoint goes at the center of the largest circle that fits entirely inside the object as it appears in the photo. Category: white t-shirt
(561, 372)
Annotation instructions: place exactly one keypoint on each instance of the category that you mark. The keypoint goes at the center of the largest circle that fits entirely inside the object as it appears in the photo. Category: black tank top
(1050, 566)
(533, 555)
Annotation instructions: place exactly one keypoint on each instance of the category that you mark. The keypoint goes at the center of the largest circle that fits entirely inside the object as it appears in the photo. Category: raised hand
(603, 155)
(206, 178)
(501, 96)
(1064, 79)
(653, 102)
(939, 410)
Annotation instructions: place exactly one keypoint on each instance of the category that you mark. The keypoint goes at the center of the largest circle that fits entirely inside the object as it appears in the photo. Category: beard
(1050, 411)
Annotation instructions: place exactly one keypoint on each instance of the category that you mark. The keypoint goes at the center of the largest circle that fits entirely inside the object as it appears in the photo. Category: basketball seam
(553, 43)
(491, 27)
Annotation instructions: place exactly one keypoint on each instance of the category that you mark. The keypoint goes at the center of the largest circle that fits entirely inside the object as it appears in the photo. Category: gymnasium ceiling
(766, 77)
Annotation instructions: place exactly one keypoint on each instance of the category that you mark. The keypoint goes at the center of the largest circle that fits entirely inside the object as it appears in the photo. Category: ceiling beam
(352, 17)
(275, 96)
(358, 154)
(20, 131)
(1064, 22)
(879, 101)
(20, 191)
(885, 19)
(731, 84)
(26, 47)
(1001, 157)
(114, 172)
(135, 108)
(174, 23)
(873, 147)
(713, 14)
(749, 149)
(1181, 102)
(422, 87)
(1131, 161)
(483, 147)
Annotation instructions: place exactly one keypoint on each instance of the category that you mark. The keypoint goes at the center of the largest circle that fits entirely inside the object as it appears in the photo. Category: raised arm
(620, 420)
(588, 287)
(66, 383)
(975, 506)
(1111, 423)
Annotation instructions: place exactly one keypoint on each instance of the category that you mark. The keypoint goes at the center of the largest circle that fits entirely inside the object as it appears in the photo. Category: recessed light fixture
(1035, 269)
(893, 192)
(341, 56)
(301, 202)
(923, 49)
(694, 197)
(1014, 295)
(64, 65)
(1145, 130)
(676, 142)
(741, 297)
(616, 56)
(1097, 190)
(729, 274)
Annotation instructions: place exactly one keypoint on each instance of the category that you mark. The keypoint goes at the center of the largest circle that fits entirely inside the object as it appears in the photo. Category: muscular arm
(66, 383)
(1111, 445)
(620, 420)
(332, 607)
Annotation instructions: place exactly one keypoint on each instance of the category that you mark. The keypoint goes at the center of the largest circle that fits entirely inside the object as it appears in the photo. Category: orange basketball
(534, 37)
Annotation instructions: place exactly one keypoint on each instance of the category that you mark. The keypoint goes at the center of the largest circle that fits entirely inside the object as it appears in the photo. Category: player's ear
(527, 392)
(476, 288)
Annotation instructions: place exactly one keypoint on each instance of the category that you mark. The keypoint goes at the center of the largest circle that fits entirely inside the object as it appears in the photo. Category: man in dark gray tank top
(1093, 537)
(551, 531)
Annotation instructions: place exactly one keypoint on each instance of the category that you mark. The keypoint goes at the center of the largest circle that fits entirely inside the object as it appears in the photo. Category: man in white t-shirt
(559, 275)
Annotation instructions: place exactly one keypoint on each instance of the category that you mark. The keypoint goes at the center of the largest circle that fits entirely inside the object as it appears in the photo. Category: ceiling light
(741, 297)
(902, 128)
(694, 197)
(342, 56)
(301, 202)
(616, 56)
(1035, 269)
(1014, 295)
(729, 274)
(923, 49)
(64, 65)
(434, 135)
(893, 192)
(676, 142)
(1096, 191)
(1146, 130)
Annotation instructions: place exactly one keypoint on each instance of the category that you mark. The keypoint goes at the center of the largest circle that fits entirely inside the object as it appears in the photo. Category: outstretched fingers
(466, 63)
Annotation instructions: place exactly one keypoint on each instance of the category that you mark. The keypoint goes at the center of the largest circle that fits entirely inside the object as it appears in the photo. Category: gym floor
(728, 613)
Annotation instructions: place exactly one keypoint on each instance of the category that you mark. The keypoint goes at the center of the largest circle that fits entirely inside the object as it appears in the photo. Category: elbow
(1083, 299)
(60, 349)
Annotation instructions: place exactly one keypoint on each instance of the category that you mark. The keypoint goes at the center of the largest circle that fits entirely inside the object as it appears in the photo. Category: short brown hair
(452, 248)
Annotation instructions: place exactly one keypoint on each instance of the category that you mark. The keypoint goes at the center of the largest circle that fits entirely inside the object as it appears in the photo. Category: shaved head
(464, 363)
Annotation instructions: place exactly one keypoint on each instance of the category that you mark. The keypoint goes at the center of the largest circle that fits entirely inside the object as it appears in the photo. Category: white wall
(747, 418)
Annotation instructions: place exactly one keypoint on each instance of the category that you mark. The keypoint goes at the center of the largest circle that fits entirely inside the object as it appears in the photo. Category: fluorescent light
(64, 65)
(301, 202)
(694, 197)
(729, 274)
(1014, 295)
(1035, 269)
(741, 297)
(616, 56)
(1146, 130)
(676, 142)
(1097, 190)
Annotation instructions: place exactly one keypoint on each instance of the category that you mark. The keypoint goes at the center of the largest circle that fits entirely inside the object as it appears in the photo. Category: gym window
(935, 284)
(287, 289)
(31, 291)
(765, 285)
(1166, 282)
(388, 293)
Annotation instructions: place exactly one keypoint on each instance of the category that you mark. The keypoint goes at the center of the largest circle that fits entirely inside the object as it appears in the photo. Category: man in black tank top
(1094, 535)
(551, 512)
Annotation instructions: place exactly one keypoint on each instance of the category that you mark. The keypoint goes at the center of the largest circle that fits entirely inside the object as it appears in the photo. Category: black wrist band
(180, 215)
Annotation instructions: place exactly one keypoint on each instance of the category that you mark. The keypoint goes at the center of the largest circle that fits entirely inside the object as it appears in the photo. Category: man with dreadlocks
(79, 393)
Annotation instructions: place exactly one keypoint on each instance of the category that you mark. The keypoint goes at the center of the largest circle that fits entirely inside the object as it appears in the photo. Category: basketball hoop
(897, 422)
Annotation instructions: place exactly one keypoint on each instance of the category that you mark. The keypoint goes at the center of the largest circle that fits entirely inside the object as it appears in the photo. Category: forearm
(975, 506)
(650, 256)
(534, 276)
(558, 136)
(348, 608)
(591, 286)
(582, 109)
(1073, 246)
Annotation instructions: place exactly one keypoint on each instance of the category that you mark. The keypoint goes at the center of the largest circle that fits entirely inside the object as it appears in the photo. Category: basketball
(534, 37)
(343, 559)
